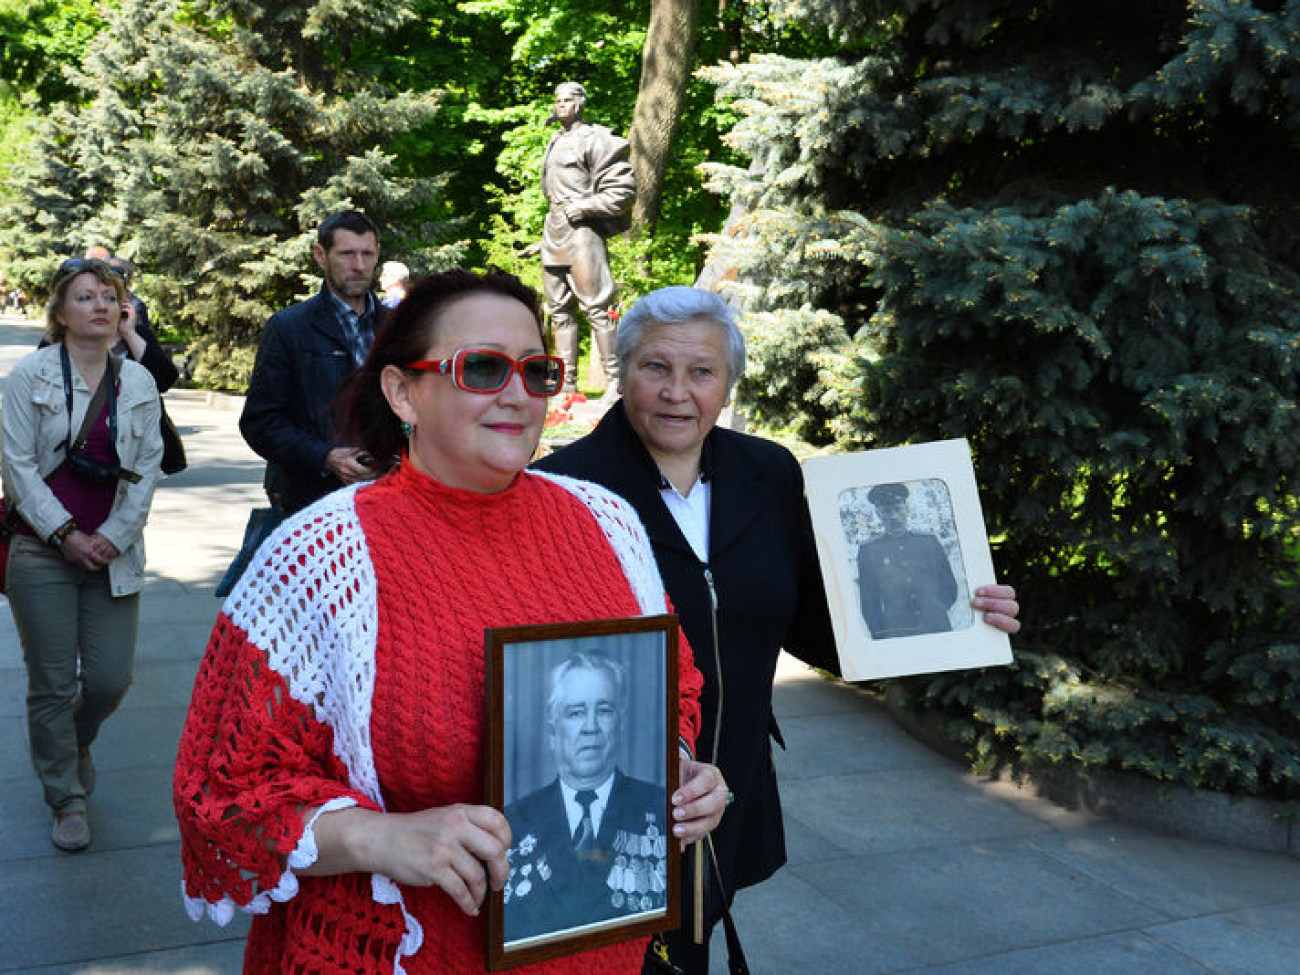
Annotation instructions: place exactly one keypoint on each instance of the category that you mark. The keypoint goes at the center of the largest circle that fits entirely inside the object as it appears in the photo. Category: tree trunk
(666, 63)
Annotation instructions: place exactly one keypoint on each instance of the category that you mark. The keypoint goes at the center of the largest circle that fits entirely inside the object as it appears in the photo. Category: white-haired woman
(393, 279)
(730, 528)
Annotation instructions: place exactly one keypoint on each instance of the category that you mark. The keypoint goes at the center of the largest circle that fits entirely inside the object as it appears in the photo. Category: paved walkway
(899, 860)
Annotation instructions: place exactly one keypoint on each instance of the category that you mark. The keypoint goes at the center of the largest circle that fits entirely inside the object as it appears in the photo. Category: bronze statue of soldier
(587, 180)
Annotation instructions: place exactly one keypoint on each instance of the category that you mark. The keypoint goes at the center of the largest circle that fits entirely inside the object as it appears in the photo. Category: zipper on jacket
(717, 663)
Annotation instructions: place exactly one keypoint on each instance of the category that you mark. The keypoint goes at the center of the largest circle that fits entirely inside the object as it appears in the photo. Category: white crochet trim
(310, 602)
(223, 910)
(385, 891)
(302, 856)
(327, 658)
(306, 853)
(622, 526)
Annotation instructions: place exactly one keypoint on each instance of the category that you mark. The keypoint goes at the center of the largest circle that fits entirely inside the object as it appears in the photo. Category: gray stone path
(900, 861)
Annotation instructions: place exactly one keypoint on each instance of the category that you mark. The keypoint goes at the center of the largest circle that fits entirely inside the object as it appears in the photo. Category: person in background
(141, 344)
(393, 279)
(138, 341)
(12, 298)
(307, 352)
(81, 455)
(148, 348)
(329, 779)
(729, 524)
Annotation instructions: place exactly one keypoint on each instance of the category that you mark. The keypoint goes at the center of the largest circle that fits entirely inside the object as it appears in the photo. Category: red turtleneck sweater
(423, 569)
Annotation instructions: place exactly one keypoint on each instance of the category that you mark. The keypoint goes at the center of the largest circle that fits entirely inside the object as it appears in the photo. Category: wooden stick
(699, 892)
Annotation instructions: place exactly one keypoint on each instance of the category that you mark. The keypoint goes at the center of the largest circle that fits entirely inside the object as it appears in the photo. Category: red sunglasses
(488, 371)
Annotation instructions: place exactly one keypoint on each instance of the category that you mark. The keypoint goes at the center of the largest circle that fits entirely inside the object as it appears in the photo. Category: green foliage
(213, 139)
(641, 264)
(1139, 413)
(1047, 710)
(600, 45)
(1065, 232)
(204, 137)
(222, 367)
(784, 385)
(40, 38)
(15, 124)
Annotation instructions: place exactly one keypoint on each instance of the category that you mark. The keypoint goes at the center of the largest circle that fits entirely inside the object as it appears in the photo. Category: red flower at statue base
(563, 413)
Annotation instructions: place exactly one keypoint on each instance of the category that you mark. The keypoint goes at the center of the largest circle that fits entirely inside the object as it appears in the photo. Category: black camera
(91, 470)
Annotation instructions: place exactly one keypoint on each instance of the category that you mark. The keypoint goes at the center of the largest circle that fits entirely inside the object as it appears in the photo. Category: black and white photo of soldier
(908, 582)
(591, 844)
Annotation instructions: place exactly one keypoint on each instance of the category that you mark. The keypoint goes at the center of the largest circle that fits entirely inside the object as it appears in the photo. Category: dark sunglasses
(487, 371)
(77, 265)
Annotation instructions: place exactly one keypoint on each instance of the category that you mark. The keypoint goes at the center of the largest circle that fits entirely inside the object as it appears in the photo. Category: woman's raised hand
(699, 802)
(999, 606)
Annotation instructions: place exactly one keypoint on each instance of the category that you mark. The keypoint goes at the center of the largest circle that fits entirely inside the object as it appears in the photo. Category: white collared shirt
(573, 808)
(691, 512)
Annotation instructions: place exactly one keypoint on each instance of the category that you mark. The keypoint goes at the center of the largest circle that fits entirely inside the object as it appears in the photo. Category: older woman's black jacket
(769, 585)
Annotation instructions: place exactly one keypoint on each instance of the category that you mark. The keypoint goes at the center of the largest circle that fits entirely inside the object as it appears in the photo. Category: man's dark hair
(353, 220)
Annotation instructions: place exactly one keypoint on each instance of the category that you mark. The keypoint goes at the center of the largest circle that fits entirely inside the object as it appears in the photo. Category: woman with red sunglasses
(330, 776)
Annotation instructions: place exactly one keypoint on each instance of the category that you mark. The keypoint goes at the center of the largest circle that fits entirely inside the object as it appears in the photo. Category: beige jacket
(35, 423)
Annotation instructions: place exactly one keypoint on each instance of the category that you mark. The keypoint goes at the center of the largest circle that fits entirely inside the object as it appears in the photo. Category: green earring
(407, 430)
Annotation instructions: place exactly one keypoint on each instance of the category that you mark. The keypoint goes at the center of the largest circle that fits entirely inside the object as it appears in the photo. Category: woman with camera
(81, 455)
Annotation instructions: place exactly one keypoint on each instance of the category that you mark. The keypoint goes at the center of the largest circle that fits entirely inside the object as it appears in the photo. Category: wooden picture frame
(572, 891)
(901, 540)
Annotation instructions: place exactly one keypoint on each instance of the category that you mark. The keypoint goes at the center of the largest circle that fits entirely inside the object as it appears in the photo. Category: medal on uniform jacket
(638, 878)
(527, 873)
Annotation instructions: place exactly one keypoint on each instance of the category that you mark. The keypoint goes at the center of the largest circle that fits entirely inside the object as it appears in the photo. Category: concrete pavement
(900, 861)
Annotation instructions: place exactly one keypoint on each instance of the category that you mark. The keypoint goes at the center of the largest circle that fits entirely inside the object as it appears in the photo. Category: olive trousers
(79, 647)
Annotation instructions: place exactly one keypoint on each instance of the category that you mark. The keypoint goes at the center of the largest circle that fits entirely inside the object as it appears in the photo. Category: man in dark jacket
(308, 350)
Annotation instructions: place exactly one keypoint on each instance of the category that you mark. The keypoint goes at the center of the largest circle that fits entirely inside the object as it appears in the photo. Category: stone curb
(1201, 814)
(208, 397)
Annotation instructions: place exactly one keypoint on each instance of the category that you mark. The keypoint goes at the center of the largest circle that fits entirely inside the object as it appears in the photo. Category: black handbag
(173, 459)
(8, 519)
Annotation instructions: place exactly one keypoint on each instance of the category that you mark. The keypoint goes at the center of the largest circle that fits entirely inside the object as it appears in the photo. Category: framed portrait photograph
(582, 759)
(902, 544)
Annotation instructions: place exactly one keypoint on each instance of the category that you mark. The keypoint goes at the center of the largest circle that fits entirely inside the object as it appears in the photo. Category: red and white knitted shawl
(309, 604)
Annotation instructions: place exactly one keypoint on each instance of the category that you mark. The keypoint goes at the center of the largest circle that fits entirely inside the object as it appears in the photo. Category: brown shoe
(86, 770)
(71, 831)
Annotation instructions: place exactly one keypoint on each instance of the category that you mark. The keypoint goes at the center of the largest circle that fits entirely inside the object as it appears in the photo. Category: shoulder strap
(737, 964)
(106, 391)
